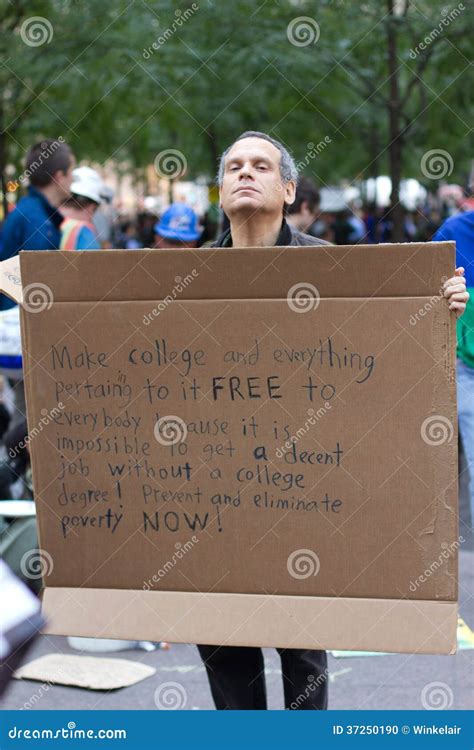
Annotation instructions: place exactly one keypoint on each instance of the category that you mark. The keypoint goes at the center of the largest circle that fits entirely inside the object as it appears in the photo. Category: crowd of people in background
(364, 224)
(77, 207)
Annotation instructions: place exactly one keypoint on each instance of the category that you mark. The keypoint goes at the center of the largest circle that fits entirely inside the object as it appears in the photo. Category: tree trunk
(396, 140)
(374, 154)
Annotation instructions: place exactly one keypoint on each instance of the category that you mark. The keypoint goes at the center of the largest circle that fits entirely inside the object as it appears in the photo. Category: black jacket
(288, 236)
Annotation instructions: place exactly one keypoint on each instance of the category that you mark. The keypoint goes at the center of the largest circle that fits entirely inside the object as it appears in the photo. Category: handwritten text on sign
(119, 433)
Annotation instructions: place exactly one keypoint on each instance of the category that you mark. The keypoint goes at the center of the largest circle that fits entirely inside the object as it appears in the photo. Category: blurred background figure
(211, 223)
(35, 222)
(357, 228)
(303, 213)
(78, 231)
(370, 216)
(104, 218)
(178, 227)
(20, 623)
(342, 228)
(146, 229)
(460, 228)
(127, 236)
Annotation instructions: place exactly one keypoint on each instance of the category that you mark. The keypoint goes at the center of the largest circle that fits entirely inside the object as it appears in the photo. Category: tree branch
(416, 78)
(371, 85)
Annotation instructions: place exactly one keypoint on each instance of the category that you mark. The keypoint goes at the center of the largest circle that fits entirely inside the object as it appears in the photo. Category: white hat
(88, 183)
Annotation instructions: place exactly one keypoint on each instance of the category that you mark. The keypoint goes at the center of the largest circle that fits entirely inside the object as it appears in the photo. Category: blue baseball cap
(179, 222)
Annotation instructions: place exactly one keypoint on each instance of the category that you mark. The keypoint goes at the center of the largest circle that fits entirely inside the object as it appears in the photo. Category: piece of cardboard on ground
(89, 672)
(313, 489)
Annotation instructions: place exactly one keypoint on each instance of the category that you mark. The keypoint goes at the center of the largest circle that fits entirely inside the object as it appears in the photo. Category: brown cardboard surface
(411, 269)
(250, 619)
(363, 501)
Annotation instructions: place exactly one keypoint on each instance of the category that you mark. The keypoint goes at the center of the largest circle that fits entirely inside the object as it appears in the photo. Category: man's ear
(56, 177)
(290, 192)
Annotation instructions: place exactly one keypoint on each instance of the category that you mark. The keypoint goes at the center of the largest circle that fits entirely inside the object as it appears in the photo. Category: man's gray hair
(288, 170)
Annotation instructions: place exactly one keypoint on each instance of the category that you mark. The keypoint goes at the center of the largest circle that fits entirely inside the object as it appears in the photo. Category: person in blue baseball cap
(178, 227)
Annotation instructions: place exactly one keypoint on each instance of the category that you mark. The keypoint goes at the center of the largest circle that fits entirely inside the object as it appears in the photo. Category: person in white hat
(87, 192)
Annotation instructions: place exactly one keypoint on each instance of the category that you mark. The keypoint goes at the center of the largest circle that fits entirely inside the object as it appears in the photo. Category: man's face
(252, 181)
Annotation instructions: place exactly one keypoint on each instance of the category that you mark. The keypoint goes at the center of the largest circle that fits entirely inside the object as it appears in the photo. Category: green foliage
(224, 67)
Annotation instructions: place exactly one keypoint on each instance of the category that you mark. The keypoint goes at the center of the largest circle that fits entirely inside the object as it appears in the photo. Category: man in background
(34, 224)
(178, 227)
(78, 229)
(303, 212)
(460, 228)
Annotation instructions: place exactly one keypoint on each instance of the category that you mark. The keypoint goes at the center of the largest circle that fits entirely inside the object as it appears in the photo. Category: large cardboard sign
(246, 446)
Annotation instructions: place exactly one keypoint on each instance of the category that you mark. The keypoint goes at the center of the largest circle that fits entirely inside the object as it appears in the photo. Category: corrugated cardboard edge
(400, 626)
(398, 270)
(443, 526)
(30, 398)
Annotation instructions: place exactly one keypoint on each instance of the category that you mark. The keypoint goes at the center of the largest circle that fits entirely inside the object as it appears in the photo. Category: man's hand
(455, 292)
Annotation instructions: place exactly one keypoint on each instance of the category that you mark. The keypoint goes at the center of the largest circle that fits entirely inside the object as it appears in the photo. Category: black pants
(237, 679)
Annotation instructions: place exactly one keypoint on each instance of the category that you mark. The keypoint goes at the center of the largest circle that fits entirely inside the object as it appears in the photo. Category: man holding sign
(257, 179)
